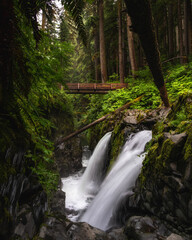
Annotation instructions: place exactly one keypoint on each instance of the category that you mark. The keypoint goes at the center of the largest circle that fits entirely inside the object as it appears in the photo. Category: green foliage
(178, 80)
(180, 117)
(37, 72)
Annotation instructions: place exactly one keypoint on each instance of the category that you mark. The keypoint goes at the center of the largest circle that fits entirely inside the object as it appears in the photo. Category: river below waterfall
(94, 198)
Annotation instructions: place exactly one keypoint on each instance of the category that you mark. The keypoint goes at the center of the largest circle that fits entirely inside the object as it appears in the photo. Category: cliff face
(164, 186)
(22, 199)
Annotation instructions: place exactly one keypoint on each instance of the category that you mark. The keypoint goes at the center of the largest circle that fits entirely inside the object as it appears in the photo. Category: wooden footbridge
(92, 88)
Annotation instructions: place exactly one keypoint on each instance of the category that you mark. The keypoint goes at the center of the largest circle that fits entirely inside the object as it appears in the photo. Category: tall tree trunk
(131, 47)
(121, 63)
(186, 25)
(102, 43)
(170, 30)
(43, 21)
(180, 30)
(190, 28)
(96, 45)
(7, 24)
(142, 23)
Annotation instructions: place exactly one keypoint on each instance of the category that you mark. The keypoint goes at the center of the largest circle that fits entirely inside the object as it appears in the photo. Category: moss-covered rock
(167, 169)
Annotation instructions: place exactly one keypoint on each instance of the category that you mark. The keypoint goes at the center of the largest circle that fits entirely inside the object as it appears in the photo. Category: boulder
(174, 236)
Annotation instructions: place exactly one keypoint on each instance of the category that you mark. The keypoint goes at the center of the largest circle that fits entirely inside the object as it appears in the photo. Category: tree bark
(102, 43)
(170, 30)
(7, 24)
(96, 44)
(127, 105)
(131, 47)
(142, 24)
(180, 30)
(43, 21)
(121, 63)
(186, 26)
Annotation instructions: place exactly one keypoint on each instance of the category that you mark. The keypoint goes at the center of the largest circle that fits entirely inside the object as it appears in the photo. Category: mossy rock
(188, 145)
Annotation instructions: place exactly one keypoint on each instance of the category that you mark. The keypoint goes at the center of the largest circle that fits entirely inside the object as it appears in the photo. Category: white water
(118, 183)
(93, 174)
(80, 189)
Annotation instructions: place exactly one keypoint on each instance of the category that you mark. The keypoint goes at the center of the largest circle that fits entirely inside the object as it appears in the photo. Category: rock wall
(22, 200)
(164, 187)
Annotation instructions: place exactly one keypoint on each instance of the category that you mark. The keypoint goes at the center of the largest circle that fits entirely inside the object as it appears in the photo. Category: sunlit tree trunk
(102, 43)
(43, 21)
(121, 63)
(142, 23)
(131, 47)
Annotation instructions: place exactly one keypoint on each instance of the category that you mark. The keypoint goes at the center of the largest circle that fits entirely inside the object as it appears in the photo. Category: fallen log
(127, 105)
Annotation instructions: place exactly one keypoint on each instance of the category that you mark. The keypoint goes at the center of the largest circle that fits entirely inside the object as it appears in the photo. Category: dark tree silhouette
(142, 23)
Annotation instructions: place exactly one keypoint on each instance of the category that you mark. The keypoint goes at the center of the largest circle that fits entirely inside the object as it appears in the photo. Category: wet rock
(117, 234)
(174, 237)
(57, 204)
(25, 227)
(176, 138)
(53, 229)
(68, 157)
(83, 231)
(146, 228)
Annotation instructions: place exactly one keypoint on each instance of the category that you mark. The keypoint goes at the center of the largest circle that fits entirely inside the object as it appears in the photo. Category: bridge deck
(83, 88)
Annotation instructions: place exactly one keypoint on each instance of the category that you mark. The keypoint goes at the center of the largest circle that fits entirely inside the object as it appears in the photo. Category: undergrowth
(178, 82)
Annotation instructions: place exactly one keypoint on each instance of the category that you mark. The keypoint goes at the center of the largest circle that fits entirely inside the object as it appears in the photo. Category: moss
(158, 157)
(166, 151)
(116, 143)
(158, 128)
(5, 171)
(188, 145)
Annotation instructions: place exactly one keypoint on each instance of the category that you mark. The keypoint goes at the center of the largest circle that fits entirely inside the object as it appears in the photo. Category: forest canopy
(44, 45)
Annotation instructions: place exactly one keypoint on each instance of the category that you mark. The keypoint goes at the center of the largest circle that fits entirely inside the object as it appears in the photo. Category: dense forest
(45, 44)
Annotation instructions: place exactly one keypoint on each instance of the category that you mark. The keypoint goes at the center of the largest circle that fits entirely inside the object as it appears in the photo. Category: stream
(94, 198)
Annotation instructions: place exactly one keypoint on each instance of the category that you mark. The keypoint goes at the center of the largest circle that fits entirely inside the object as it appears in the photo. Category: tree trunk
(190, 27)
(96, 44)
(170, 30)
(43, 21)
(121, 63)
(7, 24)
(124, 107)
(186, 26)
(131, 47)
(180, 30)
(102, 43)
(142, 24)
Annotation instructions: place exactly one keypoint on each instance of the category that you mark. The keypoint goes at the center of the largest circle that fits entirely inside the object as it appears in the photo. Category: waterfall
(118, 183)
(80, 189)
(93, 174)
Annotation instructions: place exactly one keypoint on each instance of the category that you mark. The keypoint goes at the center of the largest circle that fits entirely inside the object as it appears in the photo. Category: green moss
(158, 157)
(188, 145)
(116, 143)
(166, 150)
(158, 128)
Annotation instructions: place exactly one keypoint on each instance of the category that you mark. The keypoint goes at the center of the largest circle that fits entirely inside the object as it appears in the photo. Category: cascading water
(93, 174)
(118, 183)
(80, 189)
